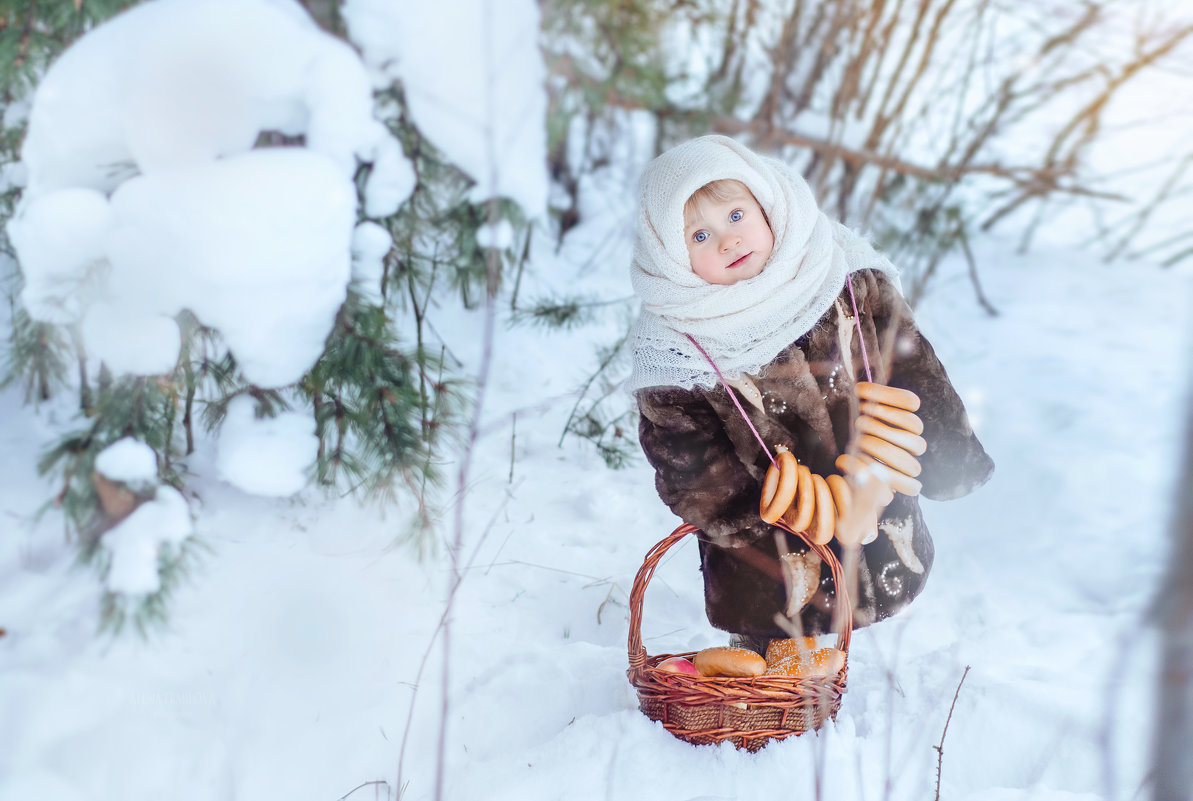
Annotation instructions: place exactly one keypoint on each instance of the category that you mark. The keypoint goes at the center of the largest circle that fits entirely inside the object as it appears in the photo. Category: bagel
(846, 529)
(896, 481)
(899, 418)
(725, 661)
(889, 454)
(891, 396)
(842, 494)
(825, 520)
(778, 491)
(912, 443)
(800, 515)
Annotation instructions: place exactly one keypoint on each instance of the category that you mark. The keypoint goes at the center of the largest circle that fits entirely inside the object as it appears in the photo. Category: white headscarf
(745, 325)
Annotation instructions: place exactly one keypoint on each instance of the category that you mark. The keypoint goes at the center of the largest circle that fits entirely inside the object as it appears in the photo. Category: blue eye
(736, 215)
(700, 236)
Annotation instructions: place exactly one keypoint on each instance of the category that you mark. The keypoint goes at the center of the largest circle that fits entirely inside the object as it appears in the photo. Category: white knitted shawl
(745, 325)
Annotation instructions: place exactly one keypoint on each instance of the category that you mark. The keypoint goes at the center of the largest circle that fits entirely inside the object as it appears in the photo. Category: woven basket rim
(718, 689)
(779, 692)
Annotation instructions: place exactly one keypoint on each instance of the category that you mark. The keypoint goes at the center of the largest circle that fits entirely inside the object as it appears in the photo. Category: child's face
(730, 240)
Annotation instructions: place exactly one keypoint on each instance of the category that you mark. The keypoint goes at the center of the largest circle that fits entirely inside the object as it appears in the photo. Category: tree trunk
(1174, 607)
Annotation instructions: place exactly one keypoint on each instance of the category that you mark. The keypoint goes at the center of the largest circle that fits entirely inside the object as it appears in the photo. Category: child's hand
(869, 495)
(894, 480)
(888, 437)
(906, 436)
(889, 396)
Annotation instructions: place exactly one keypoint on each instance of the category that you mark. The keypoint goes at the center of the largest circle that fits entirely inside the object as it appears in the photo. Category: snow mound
(135, 544)
(370, 243)
(188, 81)
(145, 195)
(269, 456)
(257, 245)
(127, 460)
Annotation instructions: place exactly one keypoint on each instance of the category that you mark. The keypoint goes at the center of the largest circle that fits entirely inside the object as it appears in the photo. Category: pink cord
(857, 319)
(865, 361)
(733, 398)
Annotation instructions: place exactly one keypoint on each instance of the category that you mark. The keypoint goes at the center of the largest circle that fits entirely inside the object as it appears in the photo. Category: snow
(499, 235)
(55, 266)
(473, 82)
(293, 654)
(134, 545)
(302, 658)
(127, 460)
(391, 180)
(370, 243)
(269, 456)
(257, 245)
(129, 339)
(144, 194)
(187, 81)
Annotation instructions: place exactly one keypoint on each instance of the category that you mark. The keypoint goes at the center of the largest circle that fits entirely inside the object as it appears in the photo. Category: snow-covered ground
(292, 659)
(302, 658)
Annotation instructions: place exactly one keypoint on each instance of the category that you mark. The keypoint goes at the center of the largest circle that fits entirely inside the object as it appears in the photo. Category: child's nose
(729, 242)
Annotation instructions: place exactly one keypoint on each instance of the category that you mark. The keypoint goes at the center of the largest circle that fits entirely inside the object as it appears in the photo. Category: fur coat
(709, 467)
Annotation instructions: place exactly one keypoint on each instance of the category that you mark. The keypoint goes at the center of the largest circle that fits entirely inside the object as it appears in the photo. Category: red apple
(677, 664)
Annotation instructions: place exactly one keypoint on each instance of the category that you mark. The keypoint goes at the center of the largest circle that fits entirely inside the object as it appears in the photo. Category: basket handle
(637, 654)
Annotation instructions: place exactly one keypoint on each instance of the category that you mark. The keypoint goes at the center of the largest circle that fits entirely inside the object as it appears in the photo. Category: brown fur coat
(709, 467)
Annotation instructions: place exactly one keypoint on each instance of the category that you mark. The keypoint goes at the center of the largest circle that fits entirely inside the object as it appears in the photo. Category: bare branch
(1038, 180)
(973, 275)
(940, 748)
(1140, 220)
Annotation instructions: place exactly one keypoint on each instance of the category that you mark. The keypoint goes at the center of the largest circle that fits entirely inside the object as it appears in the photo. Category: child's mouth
(740, 261)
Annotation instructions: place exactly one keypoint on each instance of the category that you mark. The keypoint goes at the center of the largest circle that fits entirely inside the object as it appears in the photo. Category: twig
(1033, 181)
(499, 423)
(523, 563)
(963, 238)
(820, 755)
(382, 782)
(892, 686)
(608, 598)
(940, 748)
(1170, 185)
(431, 645)
(513, 444)
(521, 268)
(588, 384)
(492, 283)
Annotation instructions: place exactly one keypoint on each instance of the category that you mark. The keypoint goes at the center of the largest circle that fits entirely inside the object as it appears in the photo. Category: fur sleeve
(698, 474)
(955, 463)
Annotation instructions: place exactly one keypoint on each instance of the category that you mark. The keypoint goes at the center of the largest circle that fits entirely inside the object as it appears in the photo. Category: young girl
(732, 251)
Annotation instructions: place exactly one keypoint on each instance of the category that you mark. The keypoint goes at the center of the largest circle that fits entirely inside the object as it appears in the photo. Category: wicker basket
(749, 712)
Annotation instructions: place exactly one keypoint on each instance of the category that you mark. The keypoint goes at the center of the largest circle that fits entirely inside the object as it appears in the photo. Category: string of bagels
(888, 441)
